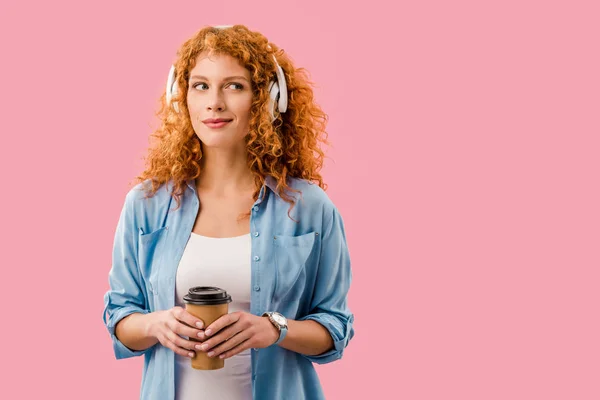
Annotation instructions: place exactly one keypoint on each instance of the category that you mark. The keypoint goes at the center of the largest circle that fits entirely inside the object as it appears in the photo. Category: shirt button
(256, 258)
(255, 208)
(257, 288)
(255, 234)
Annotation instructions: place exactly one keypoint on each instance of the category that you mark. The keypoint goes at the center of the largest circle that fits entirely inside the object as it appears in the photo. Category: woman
(232, 197)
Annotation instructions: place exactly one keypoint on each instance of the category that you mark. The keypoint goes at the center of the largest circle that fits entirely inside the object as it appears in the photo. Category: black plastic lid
(207, 295)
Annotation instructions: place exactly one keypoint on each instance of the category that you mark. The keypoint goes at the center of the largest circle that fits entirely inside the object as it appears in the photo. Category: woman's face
(219, 88)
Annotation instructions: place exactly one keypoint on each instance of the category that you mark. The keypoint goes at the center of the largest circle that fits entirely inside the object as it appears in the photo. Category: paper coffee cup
(208, 303)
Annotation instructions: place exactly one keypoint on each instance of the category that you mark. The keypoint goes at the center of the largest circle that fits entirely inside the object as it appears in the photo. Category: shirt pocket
(149, 257)
(290, 256)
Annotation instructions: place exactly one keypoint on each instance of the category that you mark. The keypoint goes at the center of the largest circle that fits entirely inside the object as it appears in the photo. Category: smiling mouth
(216, 125)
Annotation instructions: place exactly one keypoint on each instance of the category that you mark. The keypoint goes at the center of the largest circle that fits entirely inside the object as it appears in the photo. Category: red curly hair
(287, 147)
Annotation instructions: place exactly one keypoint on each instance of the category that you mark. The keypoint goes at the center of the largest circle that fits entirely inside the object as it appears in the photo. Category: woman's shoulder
(147, 211)
(139, 197)
(139, 191)
(312, 195)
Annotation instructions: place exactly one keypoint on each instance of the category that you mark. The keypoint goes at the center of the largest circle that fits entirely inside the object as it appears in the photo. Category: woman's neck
(224, 173)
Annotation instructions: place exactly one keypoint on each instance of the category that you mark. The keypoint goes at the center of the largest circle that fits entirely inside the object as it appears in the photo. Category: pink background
(465, 165)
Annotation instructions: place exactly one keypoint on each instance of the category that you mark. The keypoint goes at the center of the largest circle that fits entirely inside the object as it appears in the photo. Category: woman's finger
(229, 344)
(183, 329)
(222, 322)
(176, 349)
(180, 342)
(245, 345)
(178, 325)
(182, 315)
(222, 336)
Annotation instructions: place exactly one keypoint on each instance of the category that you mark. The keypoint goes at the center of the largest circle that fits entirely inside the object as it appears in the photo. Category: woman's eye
(236, 86)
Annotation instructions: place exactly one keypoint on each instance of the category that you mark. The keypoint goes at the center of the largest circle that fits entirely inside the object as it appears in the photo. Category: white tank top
(225, 263)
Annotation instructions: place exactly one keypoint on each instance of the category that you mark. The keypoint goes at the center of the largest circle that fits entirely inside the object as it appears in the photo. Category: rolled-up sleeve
(125, 295)
(330, 297)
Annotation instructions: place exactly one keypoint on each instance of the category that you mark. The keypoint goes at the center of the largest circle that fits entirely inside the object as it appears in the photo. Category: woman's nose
(216, 102)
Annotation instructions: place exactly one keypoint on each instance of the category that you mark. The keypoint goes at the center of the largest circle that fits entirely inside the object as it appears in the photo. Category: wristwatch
(280, 323)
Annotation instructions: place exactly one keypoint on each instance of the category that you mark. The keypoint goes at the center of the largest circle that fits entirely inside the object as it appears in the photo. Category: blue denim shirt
(300, 269)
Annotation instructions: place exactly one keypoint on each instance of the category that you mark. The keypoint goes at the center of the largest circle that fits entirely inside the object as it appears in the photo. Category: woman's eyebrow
(225, 79)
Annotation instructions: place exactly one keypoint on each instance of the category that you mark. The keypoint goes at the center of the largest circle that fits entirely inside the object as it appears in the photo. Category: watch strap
(282, 334)
(282, 329)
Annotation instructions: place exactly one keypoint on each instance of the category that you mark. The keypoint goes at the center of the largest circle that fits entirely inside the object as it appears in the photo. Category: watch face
(280, 319)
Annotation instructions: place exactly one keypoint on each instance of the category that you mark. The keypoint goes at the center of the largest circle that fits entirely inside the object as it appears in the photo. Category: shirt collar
(270, 182)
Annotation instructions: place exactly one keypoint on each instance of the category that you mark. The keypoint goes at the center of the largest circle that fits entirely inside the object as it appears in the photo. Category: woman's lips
(216, 125)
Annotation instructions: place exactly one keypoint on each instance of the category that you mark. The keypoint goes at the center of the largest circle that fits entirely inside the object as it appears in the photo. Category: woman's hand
(168, 325)
(233, 333)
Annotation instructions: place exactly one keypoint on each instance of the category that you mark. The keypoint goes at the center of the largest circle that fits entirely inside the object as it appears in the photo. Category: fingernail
(212, 353)
(191, 355)
(198, 347)
(199, 325)
(204, 347)
(222, 356)
(208, 332)
(200, 334)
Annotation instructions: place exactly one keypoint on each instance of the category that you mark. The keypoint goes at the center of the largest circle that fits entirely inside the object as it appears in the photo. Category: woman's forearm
(307, 337)
(133, 331)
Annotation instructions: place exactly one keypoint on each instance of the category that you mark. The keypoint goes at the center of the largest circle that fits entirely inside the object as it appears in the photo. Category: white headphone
(277, 88)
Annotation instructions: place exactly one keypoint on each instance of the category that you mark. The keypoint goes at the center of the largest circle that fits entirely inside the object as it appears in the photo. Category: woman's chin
(220, 143)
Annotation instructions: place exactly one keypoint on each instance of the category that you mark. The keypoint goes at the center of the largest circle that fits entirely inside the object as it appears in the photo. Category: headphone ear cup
(172, 88)
(273, 95)
(282, 102)
(175, 93)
